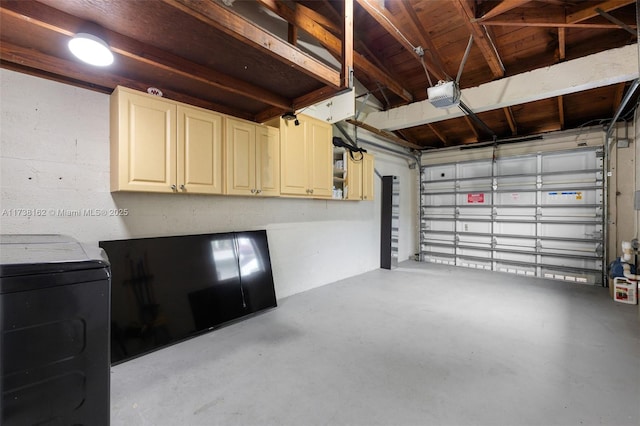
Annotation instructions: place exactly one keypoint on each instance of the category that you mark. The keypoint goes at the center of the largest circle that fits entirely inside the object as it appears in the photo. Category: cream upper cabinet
(159, 145)
(306, 167)
(321, 158)
(143, 142)
(268, 160)
(368, 170)
(199, 151)
(252, 159)
(354, 177)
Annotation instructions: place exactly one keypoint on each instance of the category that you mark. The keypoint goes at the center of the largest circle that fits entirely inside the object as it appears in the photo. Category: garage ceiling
(258, 59)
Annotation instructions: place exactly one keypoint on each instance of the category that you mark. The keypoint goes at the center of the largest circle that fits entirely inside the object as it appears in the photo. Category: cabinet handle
(253, 191)
(183, 188)
(258, 191)
(311, 191)
(173, 187)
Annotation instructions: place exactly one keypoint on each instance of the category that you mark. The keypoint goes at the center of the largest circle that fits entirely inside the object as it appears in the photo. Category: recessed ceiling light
(91, 49)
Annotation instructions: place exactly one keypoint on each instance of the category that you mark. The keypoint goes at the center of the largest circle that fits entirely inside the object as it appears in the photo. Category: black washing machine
(54, 318)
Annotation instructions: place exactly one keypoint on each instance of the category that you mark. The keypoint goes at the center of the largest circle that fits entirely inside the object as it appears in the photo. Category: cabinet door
(319, 137)
(368, 163)
(240, 153)
(354, 177)
(143, 148)
(293, 158)
(268, 161)
(199, 157)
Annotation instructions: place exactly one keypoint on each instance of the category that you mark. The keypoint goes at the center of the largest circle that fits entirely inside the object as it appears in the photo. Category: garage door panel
(439, 199)
(439, 225)
(539, 214)
(515, 198)
(516, 166)
(573, 160)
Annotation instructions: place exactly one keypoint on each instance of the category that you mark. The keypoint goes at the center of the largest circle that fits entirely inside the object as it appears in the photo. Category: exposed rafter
(472, 127)
(511, 120)
(387, 135)
(333, 44)
(502, 7)
(388, 22)
(465, 8)
(219, 17)
(590, 12)
(439, 134)
(561, 111)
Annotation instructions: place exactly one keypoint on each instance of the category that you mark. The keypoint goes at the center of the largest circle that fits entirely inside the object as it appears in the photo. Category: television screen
(167, 289)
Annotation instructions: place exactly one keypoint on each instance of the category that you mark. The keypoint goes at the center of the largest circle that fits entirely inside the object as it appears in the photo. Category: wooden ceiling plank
(388, 22)
(387, 135)
(439, 70)
(502, 7)
(247, 32)
(561, 111)
(334, 45)
(89, 77)
(591, 12)
(511, 120)
(465, 9)
(61, 23)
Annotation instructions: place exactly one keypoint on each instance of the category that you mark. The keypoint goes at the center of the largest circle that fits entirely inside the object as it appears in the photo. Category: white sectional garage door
(536, 215)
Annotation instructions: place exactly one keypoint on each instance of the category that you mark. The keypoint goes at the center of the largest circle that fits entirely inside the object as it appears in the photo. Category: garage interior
(472, 287)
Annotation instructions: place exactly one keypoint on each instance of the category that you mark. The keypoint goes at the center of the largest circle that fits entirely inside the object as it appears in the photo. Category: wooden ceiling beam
(551, 24)
(219, 17)
(502, 7)
(61, 23)
(561, 111)
(466, 11)
(562, 44)
(511, 120)
(91, 77)
(347, 44)
(388, 22)
(333, 44)
(383, 133)
(311, 98)
(591, 12)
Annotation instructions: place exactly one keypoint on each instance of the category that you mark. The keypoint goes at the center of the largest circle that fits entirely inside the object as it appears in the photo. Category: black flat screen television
(167, 289)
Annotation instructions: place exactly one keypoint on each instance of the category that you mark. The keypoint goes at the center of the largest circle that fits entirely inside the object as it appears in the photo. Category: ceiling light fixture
(289, 116)
(91, 49)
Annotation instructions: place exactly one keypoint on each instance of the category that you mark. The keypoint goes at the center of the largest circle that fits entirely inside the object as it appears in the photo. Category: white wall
(54, 155)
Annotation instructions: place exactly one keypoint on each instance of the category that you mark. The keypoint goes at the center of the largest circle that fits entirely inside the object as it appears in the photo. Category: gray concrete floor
(420, 345)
